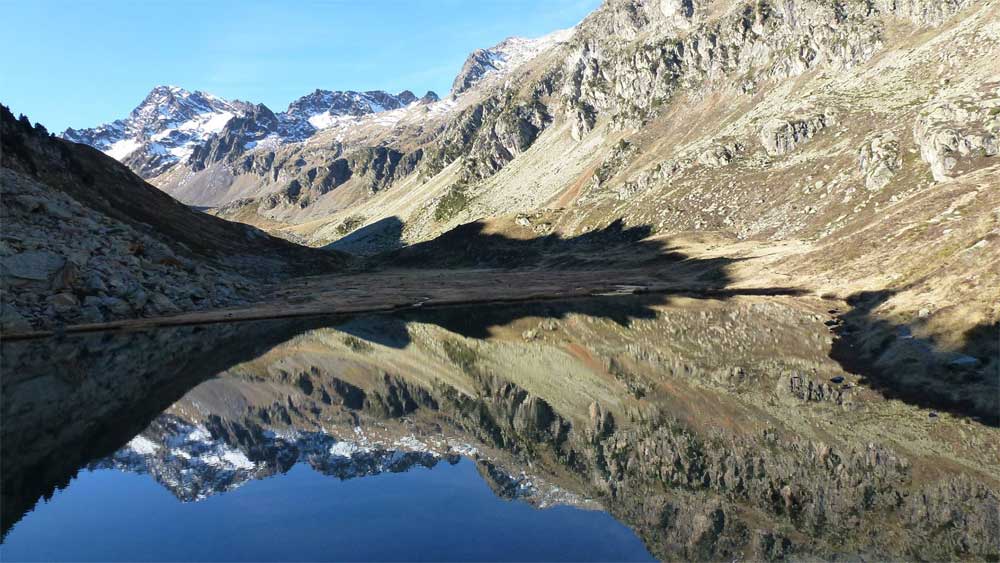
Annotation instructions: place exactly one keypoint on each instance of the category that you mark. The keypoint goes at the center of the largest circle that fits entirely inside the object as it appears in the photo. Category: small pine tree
(24, 121)
(40, 129)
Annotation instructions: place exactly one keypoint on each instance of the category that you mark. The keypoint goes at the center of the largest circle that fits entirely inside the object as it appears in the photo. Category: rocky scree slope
(864, 132)
(86, 240)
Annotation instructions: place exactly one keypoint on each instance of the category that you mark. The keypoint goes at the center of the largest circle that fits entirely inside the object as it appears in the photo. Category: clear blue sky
(85, 62)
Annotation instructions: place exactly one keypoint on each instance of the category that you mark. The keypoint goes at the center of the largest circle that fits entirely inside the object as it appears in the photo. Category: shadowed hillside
(108, 187)
(86, 240)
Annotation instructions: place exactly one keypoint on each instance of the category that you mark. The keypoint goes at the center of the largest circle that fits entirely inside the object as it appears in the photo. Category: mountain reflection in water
(714, 429)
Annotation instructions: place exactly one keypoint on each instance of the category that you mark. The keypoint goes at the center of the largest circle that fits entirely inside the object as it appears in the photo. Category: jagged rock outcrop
(879, 159)
(162, 131)
(240, 133)
(922, 12)
(503, 58)
(781, 136)
(758, 42)
(721, 154)
(173, 126)
(488, 135)
(954, 132)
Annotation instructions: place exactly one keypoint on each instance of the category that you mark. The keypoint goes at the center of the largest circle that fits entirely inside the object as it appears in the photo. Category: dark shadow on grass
(382, 235)
(614, 247)
(468, 246)
(963, 382)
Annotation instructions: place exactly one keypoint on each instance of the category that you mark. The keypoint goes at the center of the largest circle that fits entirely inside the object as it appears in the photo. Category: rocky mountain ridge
(162, 130)
(172, 124)
(504, 57)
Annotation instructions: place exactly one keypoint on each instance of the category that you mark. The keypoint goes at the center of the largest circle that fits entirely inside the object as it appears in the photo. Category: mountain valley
(725, 270)
(857, 142)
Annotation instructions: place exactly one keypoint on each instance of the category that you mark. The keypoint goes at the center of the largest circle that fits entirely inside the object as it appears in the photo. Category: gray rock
(91, 313)
(57, 210)
(720, 155)
(954, 132)
(781, 136)
(965, 361)
(39, 265)
(94, 284)
(138, 298)
(64, 303)
(11, 320)
(160, 303)
(116, 306)
(66, 277)
(879, 159)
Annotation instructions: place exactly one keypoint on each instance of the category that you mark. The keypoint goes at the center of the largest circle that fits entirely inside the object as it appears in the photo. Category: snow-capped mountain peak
(321, 108)
(171, 107)
(171, 124)
(504, 57)
(162, 130)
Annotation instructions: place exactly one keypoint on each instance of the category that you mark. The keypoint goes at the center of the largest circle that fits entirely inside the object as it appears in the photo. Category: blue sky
(81, 63)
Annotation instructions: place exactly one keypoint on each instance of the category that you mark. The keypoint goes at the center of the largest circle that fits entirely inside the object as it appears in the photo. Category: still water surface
(614, 429)
(446, 513)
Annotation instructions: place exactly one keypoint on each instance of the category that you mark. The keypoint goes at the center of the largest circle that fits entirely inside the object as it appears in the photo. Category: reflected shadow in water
(964, 382)
(704, 425)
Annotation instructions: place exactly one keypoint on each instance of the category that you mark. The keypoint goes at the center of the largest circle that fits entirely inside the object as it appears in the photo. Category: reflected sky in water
(622, 428)
(446, 513)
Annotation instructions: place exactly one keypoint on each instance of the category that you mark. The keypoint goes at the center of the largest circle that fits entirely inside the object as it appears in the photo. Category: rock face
(258, 125)
(923, 12)
(503, 58)
(781, 136)
(879, 159)
(954, 132)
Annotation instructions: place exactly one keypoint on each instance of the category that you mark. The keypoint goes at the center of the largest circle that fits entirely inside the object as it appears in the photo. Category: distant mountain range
(173, 125)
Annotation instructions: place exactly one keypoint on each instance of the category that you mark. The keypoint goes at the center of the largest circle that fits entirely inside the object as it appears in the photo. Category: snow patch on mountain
(193, 464)
(120, 149)
(171, 123)
(143, 445)
(162, 130)
(505, 57)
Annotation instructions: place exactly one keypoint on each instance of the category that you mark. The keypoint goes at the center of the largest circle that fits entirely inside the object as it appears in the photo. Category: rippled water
(614, 429)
